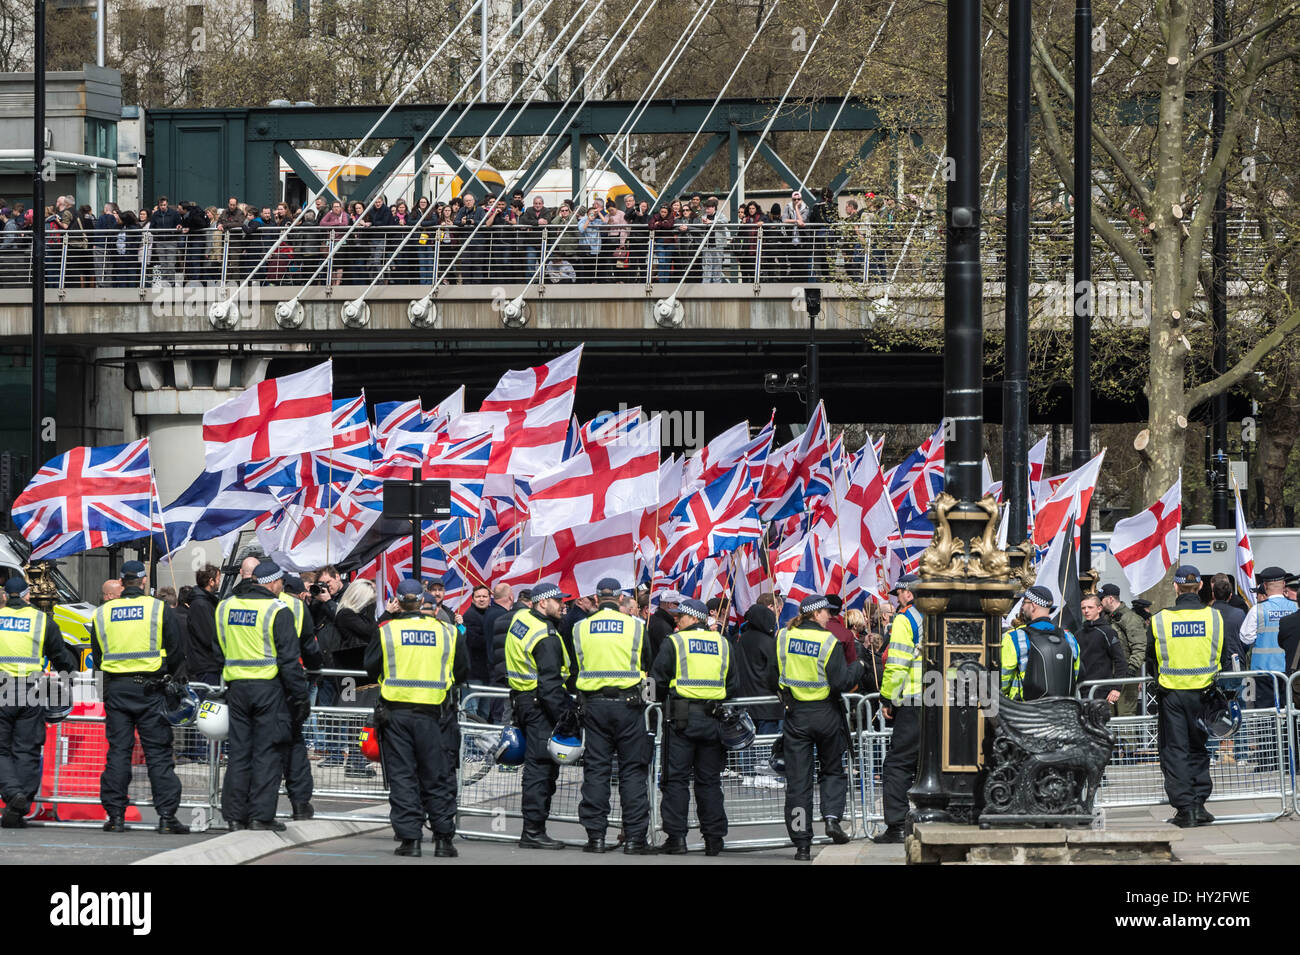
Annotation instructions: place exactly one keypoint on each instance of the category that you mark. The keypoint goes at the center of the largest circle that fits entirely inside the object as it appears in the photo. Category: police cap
(549, 592)
(15, 586)
(294, 584)
(1040, 597)
(268, 571)
(132, 570)
(1140, 604)
(1187, 574)
(1109, 590)
(608, 587)
(409, 588)
(693, 608)
(812, 603)
(904, 583)
(1269, 574)
(835, 602)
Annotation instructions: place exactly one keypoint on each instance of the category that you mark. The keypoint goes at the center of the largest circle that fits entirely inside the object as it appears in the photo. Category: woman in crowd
(751, 224)
(357, 250)
(663, 230)
(425, 239)
(448, 243)
(332, 226)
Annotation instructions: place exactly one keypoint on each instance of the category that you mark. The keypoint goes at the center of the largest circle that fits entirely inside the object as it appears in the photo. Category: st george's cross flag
(279, 416)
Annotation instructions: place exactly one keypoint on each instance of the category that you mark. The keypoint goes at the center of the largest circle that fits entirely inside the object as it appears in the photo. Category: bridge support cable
(219, 314)
(524, 33)
(514, 314)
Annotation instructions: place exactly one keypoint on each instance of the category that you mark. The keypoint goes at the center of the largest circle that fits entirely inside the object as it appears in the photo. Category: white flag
(1146, 545)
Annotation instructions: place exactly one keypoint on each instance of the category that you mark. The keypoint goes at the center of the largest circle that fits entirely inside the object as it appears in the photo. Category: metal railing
(1258, 763)
(735, 253)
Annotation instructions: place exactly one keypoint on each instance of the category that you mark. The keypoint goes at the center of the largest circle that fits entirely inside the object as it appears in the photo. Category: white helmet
(214, 720)
(565, 749)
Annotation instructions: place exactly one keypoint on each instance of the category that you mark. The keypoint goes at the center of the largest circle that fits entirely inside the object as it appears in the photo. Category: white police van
(1210, 551)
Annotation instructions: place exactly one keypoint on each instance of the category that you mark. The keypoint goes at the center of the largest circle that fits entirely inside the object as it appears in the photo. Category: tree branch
(1245, 365)
(1236, 40)
(1126, 249)
(1117, 156)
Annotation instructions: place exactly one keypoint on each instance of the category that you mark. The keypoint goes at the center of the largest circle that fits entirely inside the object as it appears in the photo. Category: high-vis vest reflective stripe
(245, 632)
(22, 635)
(299, 610)
(607, 650)
(904, 661)
(525, 632)
(418, 653)
(801, 656)
(1187, 647)
(1267, 655)
(130, 634)
(703, 659)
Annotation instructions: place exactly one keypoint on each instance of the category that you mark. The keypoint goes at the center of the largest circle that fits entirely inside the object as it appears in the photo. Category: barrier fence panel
(872, 744)
(1254, 764)
(487, 789)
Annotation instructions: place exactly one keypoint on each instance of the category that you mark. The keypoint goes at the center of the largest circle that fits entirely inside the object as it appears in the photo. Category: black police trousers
(693, 750)
(613, 727)
(298, 782)
(22, 734)
(899, 770)
(1184, 758)
(443, 815)
(412, 747)
(257, 749)
(807, 725)
(131, 709)
(540, 771)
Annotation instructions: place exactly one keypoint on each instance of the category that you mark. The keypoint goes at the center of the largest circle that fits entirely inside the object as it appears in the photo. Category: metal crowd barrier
(1258, 763)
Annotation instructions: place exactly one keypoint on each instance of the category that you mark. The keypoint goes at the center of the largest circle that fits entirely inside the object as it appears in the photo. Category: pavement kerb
(237, 848)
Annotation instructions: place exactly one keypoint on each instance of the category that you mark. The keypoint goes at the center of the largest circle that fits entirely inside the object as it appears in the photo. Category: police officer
(809, 673)
(1039, 659)
(1259, 630)
(133, 640)
(537, 667)
(297, 766)
(26, 635)
(694, 663)
(417, 659)
(611, 657)
(1187, 639)
(266, 693)
(901, 686)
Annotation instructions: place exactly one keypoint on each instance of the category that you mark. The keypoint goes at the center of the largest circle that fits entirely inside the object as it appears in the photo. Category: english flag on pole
(1146, 545)
(603, 481)
(279, 416)
(1245, 562)
(1072, 495)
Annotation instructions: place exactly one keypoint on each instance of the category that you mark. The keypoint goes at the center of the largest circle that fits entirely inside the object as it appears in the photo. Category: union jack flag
(800, 572)
(605, 428)
(919, 479)
(715, 519)
(89, 497)
(465, 463)
(393, 416)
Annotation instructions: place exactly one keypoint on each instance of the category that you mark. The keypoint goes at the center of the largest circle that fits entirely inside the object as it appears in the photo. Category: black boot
(802, 853)
(409, 847)
(712, 845)
(893, 835)
(172, 826)
(595, 844)
(12, 819)
(638, 847)
(538, 839)
(838, 835)
(1201, 814)
(275, 825)
(673, 846)
(442, 846)
(236, 825)
(115, 823)
(1184, 819)
(302, 811)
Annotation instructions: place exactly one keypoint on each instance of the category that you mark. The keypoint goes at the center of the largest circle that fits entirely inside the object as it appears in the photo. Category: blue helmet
(777, 760)
(565, 749)
(510, 747)
(182, 706)
(1220, 717)
(736, 728)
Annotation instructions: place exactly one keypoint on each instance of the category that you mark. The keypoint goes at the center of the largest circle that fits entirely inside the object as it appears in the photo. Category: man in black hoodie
(662, 622)
(757, 646)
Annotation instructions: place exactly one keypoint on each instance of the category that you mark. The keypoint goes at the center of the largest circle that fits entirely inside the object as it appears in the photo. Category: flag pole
(541, 561)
